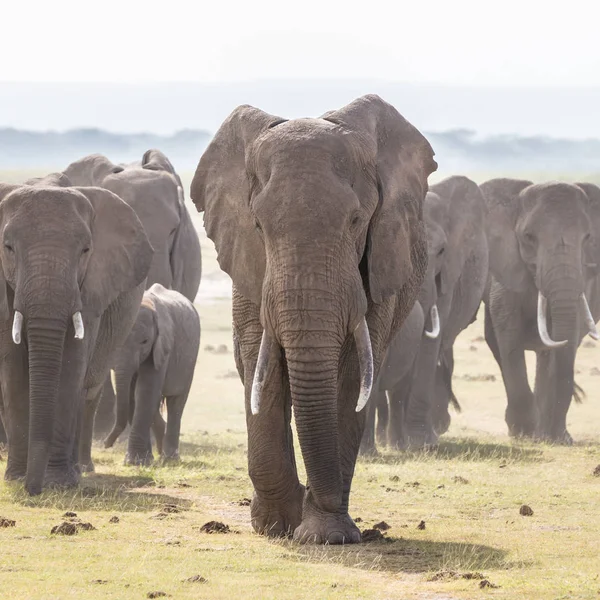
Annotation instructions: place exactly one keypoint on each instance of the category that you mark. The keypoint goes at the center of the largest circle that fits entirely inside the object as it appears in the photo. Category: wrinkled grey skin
(63, 250)
(457, 207)
(319, 224)
(157, 361)
(154, 190)
(391, 391)
(543, 238)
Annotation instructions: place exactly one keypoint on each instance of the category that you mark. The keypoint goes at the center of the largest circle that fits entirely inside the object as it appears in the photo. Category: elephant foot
(564, 438)
(327, 528)
(61, 478)
(422, 440)
(442, 423)
(521, 423)
(87, 466)
(368, 450)
(139, 460)
(277, 519)
(170, 459)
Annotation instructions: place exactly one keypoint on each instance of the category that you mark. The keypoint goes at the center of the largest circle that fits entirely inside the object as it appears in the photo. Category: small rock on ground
(114, 519)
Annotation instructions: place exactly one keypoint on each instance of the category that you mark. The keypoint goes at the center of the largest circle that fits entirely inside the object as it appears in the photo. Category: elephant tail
(447, 379)
(578, 393)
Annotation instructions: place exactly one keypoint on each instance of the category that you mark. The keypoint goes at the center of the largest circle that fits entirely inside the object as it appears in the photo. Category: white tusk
(180, 195)
(365, 363)
(435, 323)
(78, 325)
(17, 327)
(259, 373)
(589, 319)
(542, 325)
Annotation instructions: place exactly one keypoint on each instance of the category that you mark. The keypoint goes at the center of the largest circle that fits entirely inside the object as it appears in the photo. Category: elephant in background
(392, 390)
(156, 361)
(456, 206)
(74, 262)
(544, 255)
(318, 221)
(154, 190)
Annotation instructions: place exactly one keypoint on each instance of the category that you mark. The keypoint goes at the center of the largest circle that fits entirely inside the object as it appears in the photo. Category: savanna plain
(449, 521)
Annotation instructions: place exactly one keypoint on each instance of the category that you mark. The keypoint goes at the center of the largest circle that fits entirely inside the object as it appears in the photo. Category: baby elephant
(157, 361)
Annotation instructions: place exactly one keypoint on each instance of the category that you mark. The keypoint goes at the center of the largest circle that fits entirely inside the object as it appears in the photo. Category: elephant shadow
(405, 555)
(102, 492)
(465, 450)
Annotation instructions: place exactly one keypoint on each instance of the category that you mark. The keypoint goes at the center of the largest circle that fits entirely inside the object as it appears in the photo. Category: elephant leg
(399, 398)
(553, 413)
(319, 526)
(3, 438)
(443, 393)
(490, 336)
(276, 508)
(383, 417)
(124, 414)
(148, 396)
(175, 406)
(367, 444)
(158, 429)
(92, 399)
(544, 391)
(419, 423)
(15, 402)
(106, 412)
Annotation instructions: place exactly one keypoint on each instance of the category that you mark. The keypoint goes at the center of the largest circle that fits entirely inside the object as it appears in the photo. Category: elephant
(544, 256)
(455, 205)
(392, 390)
(154, 190)
(74, 262)
(318, 221)
(156, 361)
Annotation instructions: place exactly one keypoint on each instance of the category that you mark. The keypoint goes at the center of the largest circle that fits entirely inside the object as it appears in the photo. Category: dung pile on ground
(72, 527)
(215, 527)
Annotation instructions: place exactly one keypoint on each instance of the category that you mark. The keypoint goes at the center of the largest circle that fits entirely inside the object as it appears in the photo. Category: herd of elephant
(352, 278)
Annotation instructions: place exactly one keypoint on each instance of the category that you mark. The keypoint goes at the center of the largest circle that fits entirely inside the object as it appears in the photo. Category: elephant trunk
(124, 378)
(46, 336)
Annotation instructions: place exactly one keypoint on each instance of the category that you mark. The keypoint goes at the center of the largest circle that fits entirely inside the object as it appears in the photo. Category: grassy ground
(468, 493)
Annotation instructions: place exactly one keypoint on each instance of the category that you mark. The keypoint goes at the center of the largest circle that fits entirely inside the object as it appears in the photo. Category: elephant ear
(504, 205)
(89, 170)
(461, 212)
(402, 160)
(592, 255)
(121, 253)
(163, 344)
(155, 160)
(221, 188)
(186, 259)
(5, 190)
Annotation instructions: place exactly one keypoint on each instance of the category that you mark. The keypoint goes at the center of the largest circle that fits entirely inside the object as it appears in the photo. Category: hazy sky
(514, 42)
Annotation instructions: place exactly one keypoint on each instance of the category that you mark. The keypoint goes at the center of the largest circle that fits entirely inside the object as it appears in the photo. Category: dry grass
(468, 493)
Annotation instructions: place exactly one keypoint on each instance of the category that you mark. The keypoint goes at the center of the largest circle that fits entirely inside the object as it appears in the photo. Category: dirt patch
(597, 471)
(421, 526)
(4, 522)
(215, 527)
(183, 484)
(99, 581)
(167, 510)
(382, 526)
(459, 479)
(473, 348)
(196, 579)
(114, 519)
(478, 377)
(526, 511)
(486, 583)
(372, 535)
(447, 575)
(595, 371)
(157, 595)
(71, 528)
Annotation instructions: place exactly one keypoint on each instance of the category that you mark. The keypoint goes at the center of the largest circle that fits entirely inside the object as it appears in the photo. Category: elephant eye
(355, 220)
(586, 238)
(529, 238)
(257, 225)
(9, 247)
(85, 250)
(441, 251)
(144, 342)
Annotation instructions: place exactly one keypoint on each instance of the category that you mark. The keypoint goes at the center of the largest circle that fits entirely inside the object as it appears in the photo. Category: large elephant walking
(456, 206)
(73, 267)
(544, 257)
(154, 190)
(319, 224)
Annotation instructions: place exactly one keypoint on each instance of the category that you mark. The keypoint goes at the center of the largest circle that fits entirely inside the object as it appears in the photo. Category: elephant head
(540, 238)
(66, 254)
(318, 221)
(151, 338)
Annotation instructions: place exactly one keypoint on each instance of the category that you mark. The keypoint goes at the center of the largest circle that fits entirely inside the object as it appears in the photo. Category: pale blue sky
(514, 42)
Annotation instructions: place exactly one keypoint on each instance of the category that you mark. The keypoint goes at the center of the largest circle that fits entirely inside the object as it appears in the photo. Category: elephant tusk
(180, 195)
(259, 373)
(542, 325)
(78, 326)
(589, 319)
(365, 363)
(17, 327)
(435, 323)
